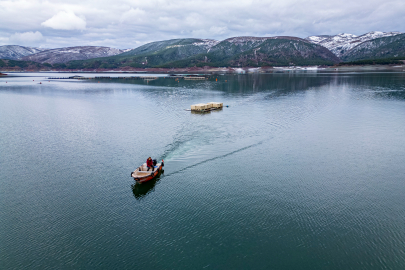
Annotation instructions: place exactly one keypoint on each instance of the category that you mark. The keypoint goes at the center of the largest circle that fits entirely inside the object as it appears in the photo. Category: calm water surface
(302, 171)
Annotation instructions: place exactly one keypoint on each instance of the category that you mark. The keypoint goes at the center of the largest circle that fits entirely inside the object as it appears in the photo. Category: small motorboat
(141, 174)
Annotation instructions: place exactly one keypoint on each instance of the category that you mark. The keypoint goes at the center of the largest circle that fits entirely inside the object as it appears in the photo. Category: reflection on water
(140, 190)
(206, 112)
(391, 84)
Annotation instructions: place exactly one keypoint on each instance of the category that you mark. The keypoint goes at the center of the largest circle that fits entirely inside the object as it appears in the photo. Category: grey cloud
(131, 23)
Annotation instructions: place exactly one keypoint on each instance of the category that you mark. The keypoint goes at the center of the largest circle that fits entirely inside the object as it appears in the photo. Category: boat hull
(152, 175)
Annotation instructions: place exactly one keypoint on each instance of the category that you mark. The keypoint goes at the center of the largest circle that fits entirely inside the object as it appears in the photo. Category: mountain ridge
(66, 54)
(241, 51)
(15, 52)
(380, 48)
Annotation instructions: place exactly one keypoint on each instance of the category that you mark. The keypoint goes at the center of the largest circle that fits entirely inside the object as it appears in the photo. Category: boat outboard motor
(154, 162)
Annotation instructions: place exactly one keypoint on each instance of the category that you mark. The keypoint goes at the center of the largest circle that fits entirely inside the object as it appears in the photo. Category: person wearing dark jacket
(149, 164)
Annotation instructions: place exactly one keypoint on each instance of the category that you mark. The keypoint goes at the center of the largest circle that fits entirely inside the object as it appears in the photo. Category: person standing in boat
(149, 164)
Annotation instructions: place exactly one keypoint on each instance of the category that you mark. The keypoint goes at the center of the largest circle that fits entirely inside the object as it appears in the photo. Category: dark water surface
(302, 171)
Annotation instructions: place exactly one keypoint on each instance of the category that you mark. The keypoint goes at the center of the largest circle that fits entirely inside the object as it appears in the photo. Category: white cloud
(65, 20)
(26, 38)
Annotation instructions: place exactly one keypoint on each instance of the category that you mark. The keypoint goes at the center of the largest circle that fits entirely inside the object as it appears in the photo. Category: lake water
(301, 171)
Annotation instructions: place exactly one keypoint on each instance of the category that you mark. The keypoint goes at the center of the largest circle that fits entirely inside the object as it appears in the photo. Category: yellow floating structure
(203, 107)
(216, 104)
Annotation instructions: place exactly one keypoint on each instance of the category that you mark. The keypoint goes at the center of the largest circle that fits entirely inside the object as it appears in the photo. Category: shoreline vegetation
(396, 66)
(393, 64)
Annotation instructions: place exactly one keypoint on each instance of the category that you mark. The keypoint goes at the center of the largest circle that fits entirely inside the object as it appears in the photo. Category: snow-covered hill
(342, 43)
(63, 55)
(15, 52)
(379, 48)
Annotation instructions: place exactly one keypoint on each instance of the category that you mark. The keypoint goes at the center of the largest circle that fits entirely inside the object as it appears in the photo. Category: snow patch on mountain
(173, 46)
(207, 43)
(342, 43)
(244, 40)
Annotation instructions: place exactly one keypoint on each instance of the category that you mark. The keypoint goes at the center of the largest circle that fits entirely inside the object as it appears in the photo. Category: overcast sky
(131, 23)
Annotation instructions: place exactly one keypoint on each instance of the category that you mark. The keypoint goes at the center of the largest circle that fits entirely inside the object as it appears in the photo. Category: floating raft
(195, 78)
(205, 107)
(146, 78)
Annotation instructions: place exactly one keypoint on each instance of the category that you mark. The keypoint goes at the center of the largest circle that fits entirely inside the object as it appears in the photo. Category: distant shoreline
(232, 70)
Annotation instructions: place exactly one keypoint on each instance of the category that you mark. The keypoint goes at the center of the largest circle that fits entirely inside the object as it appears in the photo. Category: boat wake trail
(181, 146)
(214, 158)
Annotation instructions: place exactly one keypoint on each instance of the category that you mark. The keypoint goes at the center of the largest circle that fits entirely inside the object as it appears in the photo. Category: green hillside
(276, 52)
(235, 52)
(16, 65)
(149, 55)
(270, 52)
(183, 45)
